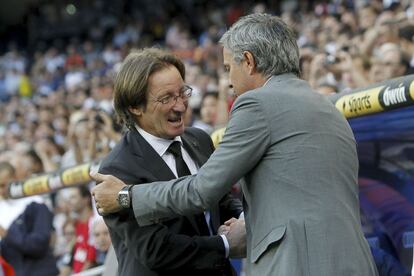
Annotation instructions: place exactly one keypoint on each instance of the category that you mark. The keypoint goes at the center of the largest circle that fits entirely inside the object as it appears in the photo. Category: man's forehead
(165, 79)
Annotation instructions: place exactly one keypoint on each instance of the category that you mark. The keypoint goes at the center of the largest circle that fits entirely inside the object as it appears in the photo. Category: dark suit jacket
(26, 245)
(176, 246)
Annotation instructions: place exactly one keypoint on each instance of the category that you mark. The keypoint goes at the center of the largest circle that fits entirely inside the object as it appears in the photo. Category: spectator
(208, 112)
(26, 244)
(389, 63)
(84, 253)
(101, 238)
(90, 134)
(406, 34)
(65, 256)
(10, 209)
(9, 212)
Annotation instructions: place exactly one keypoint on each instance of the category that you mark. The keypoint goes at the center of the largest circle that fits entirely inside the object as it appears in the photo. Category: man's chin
(174, 132)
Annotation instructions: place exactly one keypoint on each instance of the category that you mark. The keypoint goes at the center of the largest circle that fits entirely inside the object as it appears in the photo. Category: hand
(230, 221)
(225, 228)
(106, 193)
(236, 237)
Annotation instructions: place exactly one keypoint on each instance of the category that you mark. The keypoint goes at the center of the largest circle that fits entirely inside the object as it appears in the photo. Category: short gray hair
(269, 39)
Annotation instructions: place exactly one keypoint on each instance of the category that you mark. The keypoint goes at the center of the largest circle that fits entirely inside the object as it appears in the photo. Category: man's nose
(180, 105)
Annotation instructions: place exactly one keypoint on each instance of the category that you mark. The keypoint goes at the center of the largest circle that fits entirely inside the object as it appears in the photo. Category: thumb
(98, 177)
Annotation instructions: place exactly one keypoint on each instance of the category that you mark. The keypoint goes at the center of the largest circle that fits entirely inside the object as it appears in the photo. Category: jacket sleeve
(159, 248)
(229, 206)
(30, 232)
(244, 144)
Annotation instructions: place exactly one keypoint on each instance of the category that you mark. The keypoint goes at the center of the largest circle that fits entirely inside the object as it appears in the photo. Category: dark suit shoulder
(117, 153)
(199, 135)
(123, 160)
(195, 132)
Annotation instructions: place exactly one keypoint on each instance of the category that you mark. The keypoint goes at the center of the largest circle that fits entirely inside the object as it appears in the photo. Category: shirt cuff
(226, 246)
(241, 216)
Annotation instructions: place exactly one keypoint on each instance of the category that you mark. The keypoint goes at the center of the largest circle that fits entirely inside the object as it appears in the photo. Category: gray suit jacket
(298, 157)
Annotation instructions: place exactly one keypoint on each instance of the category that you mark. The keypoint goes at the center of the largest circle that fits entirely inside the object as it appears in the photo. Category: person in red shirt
(84, 253)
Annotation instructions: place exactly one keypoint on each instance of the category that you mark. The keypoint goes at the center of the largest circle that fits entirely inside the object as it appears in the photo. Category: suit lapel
(149, 157)
(193, 148)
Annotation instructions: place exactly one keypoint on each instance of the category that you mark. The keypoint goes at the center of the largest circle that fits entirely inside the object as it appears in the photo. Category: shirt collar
(160, 145)
(267, 81)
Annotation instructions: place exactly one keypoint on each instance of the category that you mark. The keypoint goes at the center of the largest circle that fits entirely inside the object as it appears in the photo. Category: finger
(96, 190)
(223, 227)
(93, 192)
(101, 211)
(223, 232)
(230, 221)
(98, 177)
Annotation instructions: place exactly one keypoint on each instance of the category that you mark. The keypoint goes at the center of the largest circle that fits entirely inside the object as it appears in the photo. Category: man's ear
(137, 111)
(250, 62)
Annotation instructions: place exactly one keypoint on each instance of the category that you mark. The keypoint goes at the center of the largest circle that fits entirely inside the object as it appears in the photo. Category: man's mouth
(175, 120)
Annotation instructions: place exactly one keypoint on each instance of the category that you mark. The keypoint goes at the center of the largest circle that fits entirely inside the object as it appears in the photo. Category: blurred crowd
(56, 99)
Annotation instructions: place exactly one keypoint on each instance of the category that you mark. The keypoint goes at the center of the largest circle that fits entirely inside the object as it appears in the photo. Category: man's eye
(166, 99)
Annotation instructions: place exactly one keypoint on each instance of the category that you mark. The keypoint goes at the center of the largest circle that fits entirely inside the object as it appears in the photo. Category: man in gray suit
(297, 155)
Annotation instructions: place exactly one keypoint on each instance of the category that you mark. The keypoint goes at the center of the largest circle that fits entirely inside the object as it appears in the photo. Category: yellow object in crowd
(25, 89)
(217, 136)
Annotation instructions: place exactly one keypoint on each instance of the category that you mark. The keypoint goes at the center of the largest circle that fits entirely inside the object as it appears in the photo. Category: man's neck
(160, 145)
(260, 80)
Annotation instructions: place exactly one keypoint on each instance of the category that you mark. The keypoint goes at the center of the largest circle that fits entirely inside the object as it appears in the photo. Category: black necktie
(183, 170)
(181, 166)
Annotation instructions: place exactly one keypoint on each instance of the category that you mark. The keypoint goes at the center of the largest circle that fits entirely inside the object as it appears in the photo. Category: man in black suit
(151, 99)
